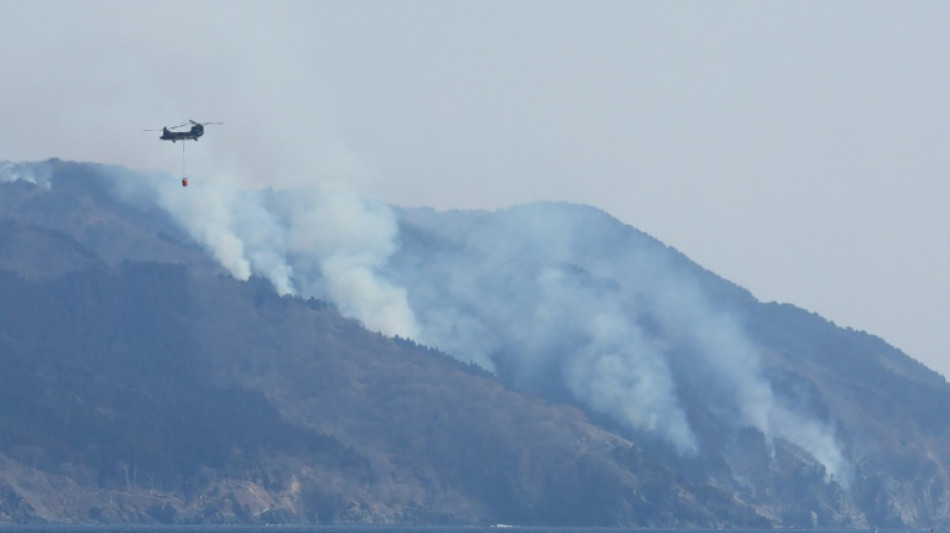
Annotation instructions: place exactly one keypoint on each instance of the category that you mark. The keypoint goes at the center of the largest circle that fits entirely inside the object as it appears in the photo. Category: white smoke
(735, 377)
(37, 174)
(339, 244)
(320, 242)
(619, 373)
(617, 370)
(541, 287)
(542, 293)
(517, 291)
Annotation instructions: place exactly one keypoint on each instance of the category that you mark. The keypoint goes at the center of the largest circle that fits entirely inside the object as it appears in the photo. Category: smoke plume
(321, 242)
(550, 296)
(30, 173)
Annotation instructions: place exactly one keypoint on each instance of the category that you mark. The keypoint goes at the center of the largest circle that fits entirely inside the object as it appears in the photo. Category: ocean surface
(111, 528)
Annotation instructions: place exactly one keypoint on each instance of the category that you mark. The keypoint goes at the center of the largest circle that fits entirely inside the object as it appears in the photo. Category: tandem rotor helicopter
(169, 134)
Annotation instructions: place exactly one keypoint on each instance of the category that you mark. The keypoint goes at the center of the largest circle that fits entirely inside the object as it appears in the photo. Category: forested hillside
(223, 356)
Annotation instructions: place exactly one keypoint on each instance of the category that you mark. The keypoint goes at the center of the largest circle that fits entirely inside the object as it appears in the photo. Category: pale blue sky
(795, 148)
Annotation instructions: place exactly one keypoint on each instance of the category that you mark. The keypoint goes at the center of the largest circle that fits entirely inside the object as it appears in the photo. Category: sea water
(114, 528)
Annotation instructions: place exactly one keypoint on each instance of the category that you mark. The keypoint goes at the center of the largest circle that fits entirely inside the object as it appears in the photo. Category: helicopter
(197, 130)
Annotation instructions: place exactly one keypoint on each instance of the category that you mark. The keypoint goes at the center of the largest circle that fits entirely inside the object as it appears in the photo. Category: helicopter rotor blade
(183, 125)
(168, 128)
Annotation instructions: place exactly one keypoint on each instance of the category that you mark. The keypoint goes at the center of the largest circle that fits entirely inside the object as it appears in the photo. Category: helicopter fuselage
(196, 131)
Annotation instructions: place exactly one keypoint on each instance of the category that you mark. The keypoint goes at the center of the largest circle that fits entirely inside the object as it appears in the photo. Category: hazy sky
(796, 148)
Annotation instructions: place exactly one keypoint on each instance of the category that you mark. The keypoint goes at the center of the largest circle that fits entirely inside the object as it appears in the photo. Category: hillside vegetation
(566, 369)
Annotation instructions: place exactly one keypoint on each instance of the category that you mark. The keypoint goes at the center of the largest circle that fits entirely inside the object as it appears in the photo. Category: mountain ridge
(592, 332)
